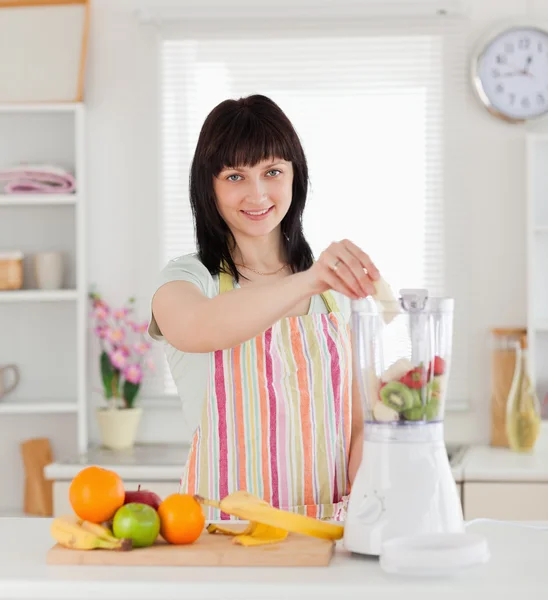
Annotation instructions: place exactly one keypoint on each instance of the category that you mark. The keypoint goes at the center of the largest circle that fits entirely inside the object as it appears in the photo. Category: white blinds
(370, 101)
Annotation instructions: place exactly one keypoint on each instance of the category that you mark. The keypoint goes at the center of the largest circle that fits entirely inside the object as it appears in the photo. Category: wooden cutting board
(209, 550)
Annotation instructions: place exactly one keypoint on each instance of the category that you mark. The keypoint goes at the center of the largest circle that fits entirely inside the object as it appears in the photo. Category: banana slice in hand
(386, 300)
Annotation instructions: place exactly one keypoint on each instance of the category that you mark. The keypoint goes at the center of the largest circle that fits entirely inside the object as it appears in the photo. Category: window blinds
(370, 100)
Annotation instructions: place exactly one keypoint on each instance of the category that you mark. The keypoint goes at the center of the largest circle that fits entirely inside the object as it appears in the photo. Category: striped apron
(277, 418)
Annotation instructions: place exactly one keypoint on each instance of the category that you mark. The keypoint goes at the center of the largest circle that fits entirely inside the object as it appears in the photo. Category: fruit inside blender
(408, 392)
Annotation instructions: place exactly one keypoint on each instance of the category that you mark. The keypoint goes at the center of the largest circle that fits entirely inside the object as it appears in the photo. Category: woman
(256, 329)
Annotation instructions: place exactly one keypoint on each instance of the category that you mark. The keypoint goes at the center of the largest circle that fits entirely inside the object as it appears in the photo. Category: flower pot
(118, 427)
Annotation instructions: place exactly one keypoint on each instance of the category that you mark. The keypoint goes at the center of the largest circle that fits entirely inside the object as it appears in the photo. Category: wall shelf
(38, 199)
(46, 329)
(38, 295)
(40, 107)
(20, 408)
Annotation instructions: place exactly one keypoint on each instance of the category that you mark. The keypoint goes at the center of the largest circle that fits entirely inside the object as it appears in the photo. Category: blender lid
(433, 554)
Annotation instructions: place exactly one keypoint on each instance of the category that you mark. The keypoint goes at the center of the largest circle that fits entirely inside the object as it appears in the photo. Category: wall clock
(510, 73)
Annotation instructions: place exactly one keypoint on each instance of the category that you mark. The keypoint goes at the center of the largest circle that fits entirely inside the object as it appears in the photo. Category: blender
(404, 485)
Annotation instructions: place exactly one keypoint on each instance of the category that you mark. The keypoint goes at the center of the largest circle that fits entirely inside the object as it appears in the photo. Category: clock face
(512, 73)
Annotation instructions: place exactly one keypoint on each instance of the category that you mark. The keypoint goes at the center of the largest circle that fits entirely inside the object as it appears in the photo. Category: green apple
(138, 522)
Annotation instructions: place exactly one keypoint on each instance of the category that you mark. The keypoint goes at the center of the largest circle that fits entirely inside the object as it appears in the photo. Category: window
(370, 102)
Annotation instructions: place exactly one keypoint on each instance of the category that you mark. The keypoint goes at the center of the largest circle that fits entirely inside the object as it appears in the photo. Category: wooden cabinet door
(507, 501)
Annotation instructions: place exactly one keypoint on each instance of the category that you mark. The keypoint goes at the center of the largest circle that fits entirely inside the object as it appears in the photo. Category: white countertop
(500, 464)
(153, 462)
(517, 568)
(485, 463)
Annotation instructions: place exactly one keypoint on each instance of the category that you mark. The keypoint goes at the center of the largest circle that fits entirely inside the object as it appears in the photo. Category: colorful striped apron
(277, 417)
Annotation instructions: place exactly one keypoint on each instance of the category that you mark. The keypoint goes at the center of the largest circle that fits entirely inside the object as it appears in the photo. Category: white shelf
(537, 260)
(40, 107)
(38, 295)
(19, 408)
(37, 199)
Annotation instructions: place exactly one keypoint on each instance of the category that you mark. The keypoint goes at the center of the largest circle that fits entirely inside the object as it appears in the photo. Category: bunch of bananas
(267, 524)
(73, 532)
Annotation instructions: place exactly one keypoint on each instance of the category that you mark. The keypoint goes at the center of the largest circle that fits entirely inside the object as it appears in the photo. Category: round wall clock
(510, 73)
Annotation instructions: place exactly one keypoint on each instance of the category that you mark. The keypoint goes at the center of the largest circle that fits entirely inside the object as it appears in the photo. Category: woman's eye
(274, 171)
(231, 176)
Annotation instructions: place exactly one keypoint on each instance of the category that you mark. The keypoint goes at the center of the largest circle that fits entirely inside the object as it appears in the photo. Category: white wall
(122, 166)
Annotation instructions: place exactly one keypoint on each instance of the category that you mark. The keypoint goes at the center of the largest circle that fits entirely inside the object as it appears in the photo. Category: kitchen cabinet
(522, 501)
(61, 504)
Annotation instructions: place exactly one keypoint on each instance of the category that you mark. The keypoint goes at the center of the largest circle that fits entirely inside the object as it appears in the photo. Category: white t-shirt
(190, 370)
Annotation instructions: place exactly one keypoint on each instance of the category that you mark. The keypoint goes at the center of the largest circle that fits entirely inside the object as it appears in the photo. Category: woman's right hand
(345, 268)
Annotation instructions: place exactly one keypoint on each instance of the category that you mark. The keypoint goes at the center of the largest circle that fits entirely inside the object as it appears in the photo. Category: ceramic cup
(48, 268)
(9, 378)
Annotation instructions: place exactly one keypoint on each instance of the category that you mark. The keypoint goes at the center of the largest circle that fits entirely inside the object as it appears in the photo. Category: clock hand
(527, 64)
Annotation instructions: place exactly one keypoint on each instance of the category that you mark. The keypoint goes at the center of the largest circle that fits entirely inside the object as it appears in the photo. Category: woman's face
(254, 200)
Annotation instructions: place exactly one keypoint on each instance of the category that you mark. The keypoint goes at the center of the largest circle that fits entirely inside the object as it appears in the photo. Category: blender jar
(401, 357)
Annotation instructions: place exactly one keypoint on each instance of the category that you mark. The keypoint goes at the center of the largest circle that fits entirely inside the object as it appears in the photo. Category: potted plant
(123, 360)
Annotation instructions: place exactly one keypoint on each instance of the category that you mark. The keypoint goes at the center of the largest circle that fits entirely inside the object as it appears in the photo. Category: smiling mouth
(258, 213)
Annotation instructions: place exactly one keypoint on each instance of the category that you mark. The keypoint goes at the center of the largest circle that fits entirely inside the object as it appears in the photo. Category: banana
(386, 301)
(69, 533)
(244, 505)
(97, 529)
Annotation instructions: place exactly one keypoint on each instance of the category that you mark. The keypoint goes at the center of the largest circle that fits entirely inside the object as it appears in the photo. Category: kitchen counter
(486, 463)
(153, 462)
(163, 462)
(517, 568)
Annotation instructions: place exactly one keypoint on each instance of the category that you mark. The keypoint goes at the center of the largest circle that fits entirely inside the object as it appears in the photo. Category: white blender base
(402, 488)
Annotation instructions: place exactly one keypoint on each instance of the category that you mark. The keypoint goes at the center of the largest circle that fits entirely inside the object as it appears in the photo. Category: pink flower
(101, 331)
(124, 350)
(150, 363)
(118, 359)
(139, 328)
(121, 313)
(100, 312)
(141, 347)
(116, 336)
(133, 374)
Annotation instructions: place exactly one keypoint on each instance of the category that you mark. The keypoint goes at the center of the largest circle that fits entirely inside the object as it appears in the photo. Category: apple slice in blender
(397, 396)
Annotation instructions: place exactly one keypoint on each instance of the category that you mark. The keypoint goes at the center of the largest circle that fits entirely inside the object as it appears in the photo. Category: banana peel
(261, 534)
(245, 506)
(255, 534)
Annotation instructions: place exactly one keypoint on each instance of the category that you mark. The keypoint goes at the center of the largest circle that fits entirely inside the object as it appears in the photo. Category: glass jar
(523, 413)
(503, 367)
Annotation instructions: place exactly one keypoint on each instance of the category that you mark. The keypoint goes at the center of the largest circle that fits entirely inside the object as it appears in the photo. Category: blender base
(402, 488)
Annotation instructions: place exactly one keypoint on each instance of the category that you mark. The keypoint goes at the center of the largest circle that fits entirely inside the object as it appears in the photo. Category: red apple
(143, 497)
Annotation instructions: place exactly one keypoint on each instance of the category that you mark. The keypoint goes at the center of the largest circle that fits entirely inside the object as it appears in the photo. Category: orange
(96, 493)
(181, 519)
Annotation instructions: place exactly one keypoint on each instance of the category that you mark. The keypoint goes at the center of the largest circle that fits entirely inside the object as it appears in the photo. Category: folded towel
(39, 179)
